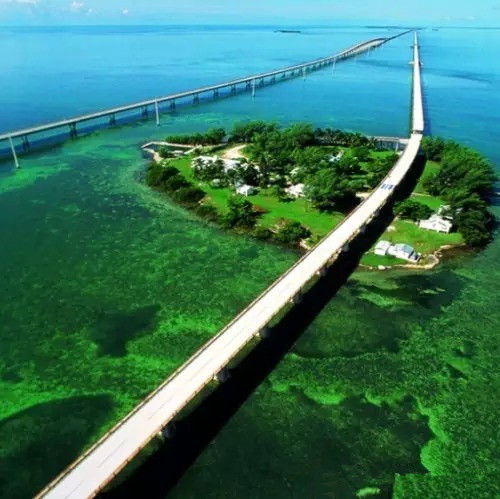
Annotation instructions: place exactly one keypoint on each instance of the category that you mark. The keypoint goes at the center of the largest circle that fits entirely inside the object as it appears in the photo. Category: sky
(276, 12)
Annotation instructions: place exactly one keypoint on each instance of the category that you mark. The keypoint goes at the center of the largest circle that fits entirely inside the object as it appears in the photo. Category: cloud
(76, 6)
(125, 12)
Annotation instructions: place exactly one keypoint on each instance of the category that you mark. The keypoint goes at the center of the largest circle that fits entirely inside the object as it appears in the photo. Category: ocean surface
(107, 287)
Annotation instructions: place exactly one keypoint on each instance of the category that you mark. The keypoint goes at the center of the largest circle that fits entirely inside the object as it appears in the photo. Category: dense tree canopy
(330, 191)
(291, 232)
(241, 213)
(412, 210)
(213, 136)
(465, 180)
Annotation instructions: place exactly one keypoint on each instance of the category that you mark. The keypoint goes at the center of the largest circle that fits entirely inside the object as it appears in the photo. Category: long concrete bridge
(248, 83)
(101, 463)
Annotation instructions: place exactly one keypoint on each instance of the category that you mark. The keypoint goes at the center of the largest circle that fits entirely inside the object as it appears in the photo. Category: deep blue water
(50, 73)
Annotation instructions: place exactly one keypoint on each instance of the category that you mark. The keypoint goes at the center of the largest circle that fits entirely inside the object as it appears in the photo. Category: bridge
(102, 462)
(247, 83)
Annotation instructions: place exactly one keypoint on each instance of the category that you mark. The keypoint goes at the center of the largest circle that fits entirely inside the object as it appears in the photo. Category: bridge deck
(102, 462)
(360, 47)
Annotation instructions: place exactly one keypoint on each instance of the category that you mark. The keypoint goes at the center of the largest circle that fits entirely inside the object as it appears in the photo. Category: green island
(293, 185)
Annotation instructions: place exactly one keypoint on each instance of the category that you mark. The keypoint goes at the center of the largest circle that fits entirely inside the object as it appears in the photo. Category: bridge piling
(144, 111)
(112, 120)
(172, 104)
(14, 155)
(73, 133)
(168, 432)
(265, 332)
(157, 113)
(196, 99)
(26, 143)
(223, 375)
(253, 88)
(322, 271)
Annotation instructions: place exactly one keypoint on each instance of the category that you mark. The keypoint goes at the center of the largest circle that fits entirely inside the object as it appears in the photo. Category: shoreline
(437, 257)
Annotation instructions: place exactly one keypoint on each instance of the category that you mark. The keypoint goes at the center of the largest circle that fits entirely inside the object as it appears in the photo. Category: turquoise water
(107, 286)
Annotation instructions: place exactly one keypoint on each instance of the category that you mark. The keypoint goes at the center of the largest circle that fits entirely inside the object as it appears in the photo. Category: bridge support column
(283, 76)
(144, 111)
(345, 248)
(157, 113)
(72, 130)
(265, 332)
(233, 89)
(14, 155)
(261, 82)
(196, 99)
(172, 104)
(222, 376)
(112, 120)
(273, 79)
(322, 271)
(26, 143)
(168, 432)
(216, 94)
(253, 88)
(304, 73)
(297, 299)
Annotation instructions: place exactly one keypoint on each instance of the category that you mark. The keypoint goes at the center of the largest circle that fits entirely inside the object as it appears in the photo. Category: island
(293, 185)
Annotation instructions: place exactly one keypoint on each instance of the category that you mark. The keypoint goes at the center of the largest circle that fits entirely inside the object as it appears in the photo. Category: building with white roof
(295, 191)
(404, 252)
(382, 247)
(246, 190)
(436, 223)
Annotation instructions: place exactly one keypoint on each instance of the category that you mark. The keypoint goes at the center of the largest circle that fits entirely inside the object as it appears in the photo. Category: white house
(246, 190)
(404, 251)
(382, 247)
(337, 157)
(436, 223)
(230, 164)
(204, 161)
(295, 191)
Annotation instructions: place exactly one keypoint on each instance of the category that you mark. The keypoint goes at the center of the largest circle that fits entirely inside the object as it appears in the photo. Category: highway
(98, 466)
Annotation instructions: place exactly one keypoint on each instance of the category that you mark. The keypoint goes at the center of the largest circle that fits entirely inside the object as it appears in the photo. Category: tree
(291, 232)
(174, 183)
(412, 210)
(379, 168)
(158, 173)
(433, 148)
(246, 174)
(189, 195)
(241, 212)
(328, 190)
(244, 132)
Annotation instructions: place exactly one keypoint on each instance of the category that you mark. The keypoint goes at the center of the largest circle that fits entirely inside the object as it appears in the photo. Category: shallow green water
(107, 288)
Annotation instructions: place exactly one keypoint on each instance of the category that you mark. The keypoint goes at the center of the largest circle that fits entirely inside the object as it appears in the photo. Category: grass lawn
(432, 202)
(431, 167)
(300, 210)
(424, 241)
